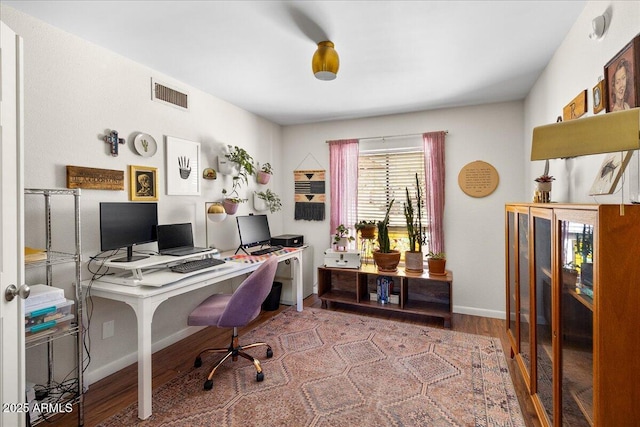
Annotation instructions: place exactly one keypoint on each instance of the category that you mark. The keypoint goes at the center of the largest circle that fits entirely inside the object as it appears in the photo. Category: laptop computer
(177, 240)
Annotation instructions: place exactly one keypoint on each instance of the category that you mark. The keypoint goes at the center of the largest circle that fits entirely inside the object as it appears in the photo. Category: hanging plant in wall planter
(226, 166)
(245, 167)
(266, 200)
(264, 174)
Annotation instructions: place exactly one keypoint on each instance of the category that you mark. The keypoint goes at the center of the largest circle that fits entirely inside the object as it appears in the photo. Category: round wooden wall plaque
(478, 179)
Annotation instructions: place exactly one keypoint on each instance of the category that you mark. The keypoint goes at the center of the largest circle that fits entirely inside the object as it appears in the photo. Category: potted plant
(413, 257)
(264, 200)
(543, 185)
(341, 238)
(367, 229)
(264, 174)
(437, 262)
(244, 163)
(385, 258)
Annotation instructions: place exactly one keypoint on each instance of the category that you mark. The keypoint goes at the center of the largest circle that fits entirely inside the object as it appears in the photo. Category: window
(383, 174)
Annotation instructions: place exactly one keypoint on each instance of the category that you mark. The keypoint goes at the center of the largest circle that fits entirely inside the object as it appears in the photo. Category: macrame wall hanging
(309, 193)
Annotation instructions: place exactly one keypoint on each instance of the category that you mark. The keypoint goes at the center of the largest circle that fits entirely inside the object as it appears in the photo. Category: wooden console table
(422, 294)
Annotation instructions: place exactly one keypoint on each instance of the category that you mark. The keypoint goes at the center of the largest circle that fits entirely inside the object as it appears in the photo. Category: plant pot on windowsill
(437, 266)
(413, 262)
(387, 262)
(368, 232)
(341, 244)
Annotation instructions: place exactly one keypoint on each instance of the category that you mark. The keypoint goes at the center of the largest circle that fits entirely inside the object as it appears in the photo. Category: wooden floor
(115, 392)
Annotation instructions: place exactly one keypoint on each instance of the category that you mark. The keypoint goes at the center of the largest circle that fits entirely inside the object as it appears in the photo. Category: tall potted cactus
(413, 258)
(386, 258)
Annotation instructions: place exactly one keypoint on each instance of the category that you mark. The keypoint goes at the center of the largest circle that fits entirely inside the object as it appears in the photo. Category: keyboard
(199, 264)
(267, 250)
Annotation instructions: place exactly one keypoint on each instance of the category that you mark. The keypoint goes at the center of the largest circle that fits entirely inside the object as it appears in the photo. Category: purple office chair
(235, 310)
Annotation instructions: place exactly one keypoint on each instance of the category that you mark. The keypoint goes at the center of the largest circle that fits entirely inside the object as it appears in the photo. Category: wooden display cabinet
(421, 294)
(572, 320)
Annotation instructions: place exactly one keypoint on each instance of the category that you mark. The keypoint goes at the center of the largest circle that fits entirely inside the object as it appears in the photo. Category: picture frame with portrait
(622, 77)
(143, 183)
(599, 97)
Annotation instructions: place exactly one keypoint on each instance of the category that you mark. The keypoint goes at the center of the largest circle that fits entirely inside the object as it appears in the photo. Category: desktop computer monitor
(123, 225)
(253, 230)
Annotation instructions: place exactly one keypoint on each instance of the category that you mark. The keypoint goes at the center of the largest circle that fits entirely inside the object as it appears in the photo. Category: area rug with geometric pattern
(339, 369)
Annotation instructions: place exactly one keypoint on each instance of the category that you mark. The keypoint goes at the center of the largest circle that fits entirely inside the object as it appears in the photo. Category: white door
(12, 377)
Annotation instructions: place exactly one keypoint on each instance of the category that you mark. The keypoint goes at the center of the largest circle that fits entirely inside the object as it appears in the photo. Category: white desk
(145, 300)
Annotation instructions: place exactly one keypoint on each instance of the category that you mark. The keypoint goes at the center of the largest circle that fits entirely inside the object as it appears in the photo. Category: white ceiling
(395, 56)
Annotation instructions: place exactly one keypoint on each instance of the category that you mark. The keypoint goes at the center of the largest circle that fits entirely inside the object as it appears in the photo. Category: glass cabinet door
(542, 250)
(576, 322)
(511, 279)
(524, 306)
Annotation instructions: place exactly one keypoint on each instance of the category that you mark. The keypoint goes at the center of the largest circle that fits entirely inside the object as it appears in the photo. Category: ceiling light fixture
(325, 62)
(599, 26)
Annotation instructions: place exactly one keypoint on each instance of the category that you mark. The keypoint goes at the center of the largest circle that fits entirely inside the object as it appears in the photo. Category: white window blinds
(383, 176)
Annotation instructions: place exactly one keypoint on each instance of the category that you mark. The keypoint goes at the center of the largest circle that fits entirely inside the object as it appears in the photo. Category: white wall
(75, 92)
(577, 65)
(474, 227)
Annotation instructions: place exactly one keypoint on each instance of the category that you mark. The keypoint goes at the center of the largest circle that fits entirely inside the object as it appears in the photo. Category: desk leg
(297, 274)
(144, 313)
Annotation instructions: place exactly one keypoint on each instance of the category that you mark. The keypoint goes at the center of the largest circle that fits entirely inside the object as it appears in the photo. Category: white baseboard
(111, 368)
(473, 311)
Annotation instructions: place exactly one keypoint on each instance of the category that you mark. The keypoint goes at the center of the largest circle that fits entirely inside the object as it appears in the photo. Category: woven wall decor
(309, 194)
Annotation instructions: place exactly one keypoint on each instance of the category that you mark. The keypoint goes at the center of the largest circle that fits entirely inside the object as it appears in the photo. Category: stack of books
(46, 311)
(33, 255)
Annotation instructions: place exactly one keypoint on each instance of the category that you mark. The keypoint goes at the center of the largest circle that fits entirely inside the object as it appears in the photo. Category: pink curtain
(434, 182)
(343, 173)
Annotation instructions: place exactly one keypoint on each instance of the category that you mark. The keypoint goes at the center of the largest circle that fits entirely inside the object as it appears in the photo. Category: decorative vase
(387, 262)
(368, 232)
(263, 177)
(230, 207)
(413, 262)
(437, 266)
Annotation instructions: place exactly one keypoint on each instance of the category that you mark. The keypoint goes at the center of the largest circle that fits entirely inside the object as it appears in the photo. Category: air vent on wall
(165, 94)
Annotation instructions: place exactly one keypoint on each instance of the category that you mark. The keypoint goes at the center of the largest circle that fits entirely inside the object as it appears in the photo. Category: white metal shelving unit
(57, 258)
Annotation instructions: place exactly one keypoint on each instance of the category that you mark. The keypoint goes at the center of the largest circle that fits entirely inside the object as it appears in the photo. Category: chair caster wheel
(208, 384)
(269, 353)
(198, 362)
(260, 376)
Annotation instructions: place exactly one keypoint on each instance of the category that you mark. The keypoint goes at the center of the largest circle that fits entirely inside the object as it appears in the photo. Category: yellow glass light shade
(605, 133)
(325, 62)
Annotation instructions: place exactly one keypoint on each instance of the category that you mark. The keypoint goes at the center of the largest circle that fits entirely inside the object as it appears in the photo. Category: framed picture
(143, 183)
(599, 97)
(610, 172)
(576, 108)
(183, 167)
(622, 75)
